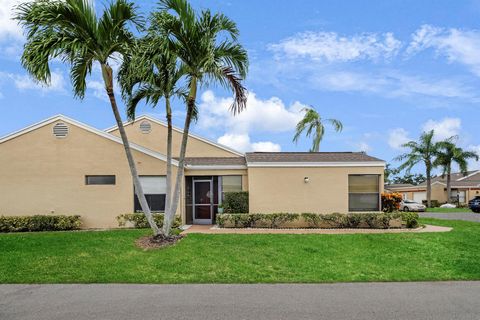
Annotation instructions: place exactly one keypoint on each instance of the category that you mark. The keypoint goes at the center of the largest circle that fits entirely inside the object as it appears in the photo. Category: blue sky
(387, 69)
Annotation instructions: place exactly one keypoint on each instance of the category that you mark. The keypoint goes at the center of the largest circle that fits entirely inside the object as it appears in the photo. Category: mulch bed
(156, 242)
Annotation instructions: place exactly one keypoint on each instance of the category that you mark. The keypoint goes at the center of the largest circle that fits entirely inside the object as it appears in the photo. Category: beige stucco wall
(156, 140)
(41, 174)
(439, 193)
(284, 189)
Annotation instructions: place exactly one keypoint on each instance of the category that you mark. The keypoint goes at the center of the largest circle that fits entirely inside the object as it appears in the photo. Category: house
(63, 166)
(464, 188)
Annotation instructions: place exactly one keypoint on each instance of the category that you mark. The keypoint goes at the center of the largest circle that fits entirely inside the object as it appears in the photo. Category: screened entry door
(202, 201)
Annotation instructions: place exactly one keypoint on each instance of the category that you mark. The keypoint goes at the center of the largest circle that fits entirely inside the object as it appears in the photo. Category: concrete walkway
(466, 216)
(372, 301)
(209, 229)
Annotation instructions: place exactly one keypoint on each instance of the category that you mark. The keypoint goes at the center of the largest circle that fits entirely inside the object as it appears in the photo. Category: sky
(388, 70)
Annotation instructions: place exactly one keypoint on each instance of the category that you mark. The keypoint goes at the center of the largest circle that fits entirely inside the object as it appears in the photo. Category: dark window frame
(149, 197)
(378, 194)
(89, 183)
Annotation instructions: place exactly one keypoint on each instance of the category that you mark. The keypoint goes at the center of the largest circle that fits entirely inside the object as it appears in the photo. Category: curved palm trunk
(429, 186)
(181, 161)
(168, 217)
(449, 184)
(108, 79)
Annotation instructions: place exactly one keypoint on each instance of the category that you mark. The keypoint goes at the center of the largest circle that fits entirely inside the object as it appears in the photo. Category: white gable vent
(145, 127)
(60, 130)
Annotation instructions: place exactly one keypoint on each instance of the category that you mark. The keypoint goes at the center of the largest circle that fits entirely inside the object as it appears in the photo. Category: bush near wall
(374, 220)
(391, 201)
(139, 221)
(235, 202)
(39, 223)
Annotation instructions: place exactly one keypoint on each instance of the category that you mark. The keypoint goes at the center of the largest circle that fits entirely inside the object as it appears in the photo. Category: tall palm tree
(151, 74)
(448, 154)
(424, 151)
(312, 122)
(208, 51)
(69, 30)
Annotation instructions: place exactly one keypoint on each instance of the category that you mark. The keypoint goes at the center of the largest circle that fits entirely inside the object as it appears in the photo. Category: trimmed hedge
(39, 223)
(139, 221)
(313, 220)
(235, 202)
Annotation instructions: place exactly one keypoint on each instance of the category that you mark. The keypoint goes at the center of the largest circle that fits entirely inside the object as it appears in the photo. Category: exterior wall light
(306, 179)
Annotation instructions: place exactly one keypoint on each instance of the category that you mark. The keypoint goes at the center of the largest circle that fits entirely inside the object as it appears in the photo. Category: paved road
(467, 216)
(420, 300)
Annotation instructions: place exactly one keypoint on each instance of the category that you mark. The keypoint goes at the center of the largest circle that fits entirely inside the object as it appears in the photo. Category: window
(364, 192)
(98, 180)
(231, 184)
(154, 188)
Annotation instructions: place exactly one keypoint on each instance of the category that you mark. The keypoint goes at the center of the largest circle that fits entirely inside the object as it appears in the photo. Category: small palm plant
(448, 154)
(312, 123)
(71, 31)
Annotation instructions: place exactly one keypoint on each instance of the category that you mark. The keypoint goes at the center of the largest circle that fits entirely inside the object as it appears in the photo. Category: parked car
(409, 205)
(474, 204)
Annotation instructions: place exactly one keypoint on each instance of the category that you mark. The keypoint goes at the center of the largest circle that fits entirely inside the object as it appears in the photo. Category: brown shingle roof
(458, 179)
(215, 161)
(309, 157)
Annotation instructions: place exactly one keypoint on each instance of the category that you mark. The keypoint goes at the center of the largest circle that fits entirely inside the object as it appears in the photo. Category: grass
(110, 256)
(448, 210)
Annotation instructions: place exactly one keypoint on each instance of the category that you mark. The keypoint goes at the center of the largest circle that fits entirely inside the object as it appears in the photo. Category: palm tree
(449, 153)
(424, 151)
(151, 74)
(208, 51)
(313, 123)
(70, 31)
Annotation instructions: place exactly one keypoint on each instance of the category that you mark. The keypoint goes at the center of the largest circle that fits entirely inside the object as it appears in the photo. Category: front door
(202, 201)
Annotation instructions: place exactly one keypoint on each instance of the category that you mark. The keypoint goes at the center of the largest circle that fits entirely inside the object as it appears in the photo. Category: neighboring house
(62, 166)
(464, 188)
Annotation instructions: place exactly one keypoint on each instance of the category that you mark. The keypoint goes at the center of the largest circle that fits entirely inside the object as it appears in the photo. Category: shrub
(313, 220)
(410, 219)
(434, 203)
(276, 220)
(39, 223)
(391, 201)
(236, 202)
(139, 220)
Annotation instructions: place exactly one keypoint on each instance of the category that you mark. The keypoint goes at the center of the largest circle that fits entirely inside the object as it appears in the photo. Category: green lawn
(110, 256)
(448, 210)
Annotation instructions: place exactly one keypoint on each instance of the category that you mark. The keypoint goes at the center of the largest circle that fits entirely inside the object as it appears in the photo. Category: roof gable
(86, 127)
(179, 130)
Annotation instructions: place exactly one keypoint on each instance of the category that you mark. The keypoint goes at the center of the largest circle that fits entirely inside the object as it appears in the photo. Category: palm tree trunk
(108, 79)
(183, 149)
(449, 184)
(168, 217)
(429, 187)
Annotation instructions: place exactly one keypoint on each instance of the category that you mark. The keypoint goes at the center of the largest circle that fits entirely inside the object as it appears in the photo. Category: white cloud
(472, 164)
(241, 142)
(266, 146)
(397, 137)
(363, 146)
(9, 29)
(331, 47)
(270, 115)
(457, 45)
(97, 88)
(25, 82)
(445, 128)
(393, 84)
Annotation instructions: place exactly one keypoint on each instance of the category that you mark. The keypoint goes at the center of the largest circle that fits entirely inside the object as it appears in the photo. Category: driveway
(467, 216)
(418, 300)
